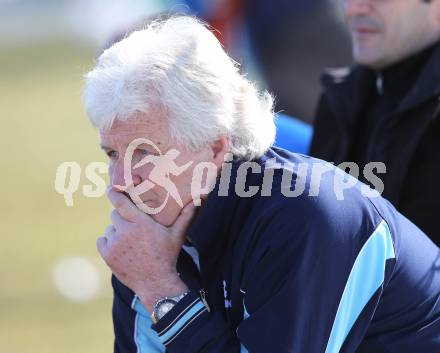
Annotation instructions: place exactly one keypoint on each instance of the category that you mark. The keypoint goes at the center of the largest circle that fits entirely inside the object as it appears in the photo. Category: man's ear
(219, 148)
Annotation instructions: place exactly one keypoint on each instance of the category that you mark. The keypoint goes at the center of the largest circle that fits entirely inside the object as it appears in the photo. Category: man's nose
(356, 7)
(118, 175)
(136, 179)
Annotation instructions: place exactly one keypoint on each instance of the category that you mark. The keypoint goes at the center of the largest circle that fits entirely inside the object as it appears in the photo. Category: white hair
(179, 65)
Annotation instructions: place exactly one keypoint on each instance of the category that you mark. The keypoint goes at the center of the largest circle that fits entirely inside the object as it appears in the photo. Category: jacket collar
(427, 84)
(346, 92)
(220, 219)
(210, 231)
(351, 87)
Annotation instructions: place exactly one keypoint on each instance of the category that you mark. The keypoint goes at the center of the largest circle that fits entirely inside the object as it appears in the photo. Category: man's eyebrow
(105, 148)
(145, 145)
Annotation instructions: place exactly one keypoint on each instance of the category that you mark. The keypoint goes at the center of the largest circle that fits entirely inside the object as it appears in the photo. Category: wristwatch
(163, 306)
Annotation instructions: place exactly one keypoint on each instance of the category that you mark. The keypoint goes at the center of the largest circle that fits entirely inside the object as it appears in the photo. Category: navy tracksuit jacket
(305, 274)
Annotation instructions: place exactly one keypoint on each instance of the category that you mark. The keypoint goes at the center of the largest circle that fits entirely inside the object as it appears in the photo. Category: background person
(387, 107)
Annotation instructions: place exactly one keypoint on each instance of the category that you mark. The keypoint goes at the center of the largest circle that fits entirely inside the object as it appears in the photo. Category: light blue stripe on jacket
(366, 277)
(146, 339)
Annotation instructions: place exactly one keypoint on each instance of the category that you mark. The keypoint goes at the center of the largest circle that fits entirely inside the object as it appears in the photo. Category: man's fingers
(103, 243)
(182, 222)
(122, 188)
(117, 220)
(123, 205)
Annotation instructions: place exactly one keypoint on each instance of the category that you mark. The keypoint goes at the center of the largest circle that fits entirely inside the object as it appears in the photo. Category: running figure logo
(164, 165)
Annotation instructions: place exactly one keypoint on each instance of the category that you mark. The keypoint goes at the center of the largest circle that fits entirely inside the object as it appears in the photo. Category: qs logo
(164, 165)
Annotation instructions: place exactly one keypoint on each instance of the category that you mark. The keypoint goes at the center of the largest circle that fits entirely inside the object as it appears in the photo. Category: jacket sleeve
(190, 327)
(313, 291)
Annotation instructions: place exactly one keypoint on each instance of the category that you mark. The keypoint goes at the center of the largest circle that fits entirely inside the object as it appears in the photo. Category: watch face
(163, 307)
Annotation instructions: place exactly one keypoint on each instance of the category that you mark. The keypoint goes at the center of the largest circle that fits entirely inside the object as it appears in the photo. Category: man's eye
(112, 154)
(144, 152)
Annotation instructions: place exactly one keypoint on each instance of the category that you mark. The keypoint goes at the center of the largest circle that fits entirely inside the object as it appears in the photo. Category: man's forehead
(144, 122)
(140, 127)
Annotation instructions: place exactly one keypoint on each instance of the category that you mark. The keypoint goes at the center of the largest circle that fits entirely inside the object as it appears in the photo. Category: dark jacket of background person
(409, 142)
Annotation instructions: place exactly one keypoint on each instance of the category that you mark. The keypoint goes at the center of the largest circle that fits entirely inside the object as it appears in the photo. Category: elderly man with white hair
(220, 242)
